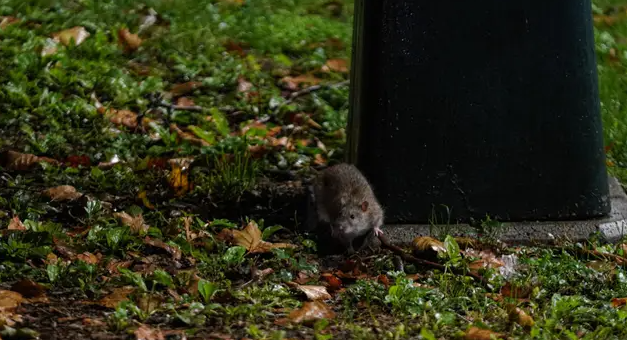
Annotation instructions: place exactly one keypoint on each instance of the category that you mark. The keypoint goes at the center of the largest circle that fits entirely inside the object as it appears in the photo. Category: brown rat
(343, 198)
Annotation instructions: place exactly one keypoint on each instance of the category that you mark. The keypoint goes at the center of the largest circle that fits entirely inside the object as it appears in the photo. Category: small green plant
(440, 222)
(489, 228)
(232, 176)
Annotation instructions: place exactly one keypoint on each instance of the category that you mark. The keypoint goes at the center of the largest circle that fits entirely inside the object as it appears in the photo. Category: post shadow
(486, 107)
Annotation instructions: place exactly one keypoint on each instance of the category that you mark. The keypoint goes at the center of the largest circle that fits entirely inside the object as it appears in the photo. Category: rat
(343, 198)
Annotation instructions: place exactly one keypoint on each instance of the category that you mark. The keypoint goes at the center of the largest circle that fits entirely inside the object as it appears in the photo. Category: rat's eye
(352, 217)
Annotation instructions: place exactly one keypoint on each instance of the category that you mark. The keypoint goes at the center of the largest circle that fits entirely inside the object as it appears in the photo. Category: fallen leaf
(93, 322)
(144, 332)
(128, 40)
(311, 311)
(116, 296)
(334, 282)
(516, 291)
(88, 257)
(16, 224)
(76, 160)
(29, 289)
(114, 265)
(243, 85)
(250, 238)
(185, 101)
(178, 176)
(122, 117)
(336, 65)
(424, 243)
(188, 136)
(313, 292)
(135, 223)
(7, 20)
(63, 193)
(475, 333)
(184, 88)
(617, 302)
(149, 302)
(175, 252)
(319, 159)
(13, 160)
(293, 83)
(76, 33)
(236, 47)
(519, 316)
(144, 198)
(10, 299)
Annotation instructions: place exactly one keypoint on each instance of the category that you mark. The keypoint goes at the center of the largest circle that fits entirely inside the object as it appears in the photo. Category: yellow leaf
(128, 40)
(250, 238)
(76, 33)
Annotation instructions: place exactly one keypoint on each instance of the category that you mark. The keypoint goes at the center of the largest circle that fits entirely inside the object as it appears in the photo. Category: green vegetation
(145, 187)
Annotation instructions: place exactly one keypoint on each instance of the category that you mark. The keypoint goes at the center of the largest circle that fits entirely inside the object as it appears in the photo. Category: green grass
(181, 270)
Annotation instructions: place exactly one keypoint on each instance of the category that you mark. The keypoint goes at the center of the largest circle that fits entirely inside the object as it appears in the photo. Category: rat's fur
(344, 199)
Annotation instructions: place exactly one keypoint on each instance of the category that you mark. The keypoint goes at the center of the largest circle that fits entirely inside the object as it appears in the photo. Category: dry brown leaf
(144, 332)
(313, 292)
(122, 117)
(319, 159)
(336, 65)
(617, 302)
(311, 311)
(519, 316)
(516, 291)
(16, 224)
(76, 33)
(114, 265)
(175, 252)
(135, 223)
(9, 318)
(10, 299)
(185, 101)
(116, 296)
(243, 85)
(63, 193)
(250, 238)
(184, 88)
(13, 160)
(128, 40)
(475, 333)
(293, 83)
(334, 282)
(88, 257)
(7, 20)
(28, 288)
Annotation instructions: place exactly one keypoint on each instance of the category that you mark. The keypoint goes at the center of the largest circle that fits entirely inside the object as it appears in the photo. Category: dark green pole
(486, 107)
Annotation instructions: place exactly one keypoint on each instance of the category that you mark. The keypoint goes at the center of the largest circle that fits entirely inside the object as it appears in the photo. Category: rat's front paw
(378, 231)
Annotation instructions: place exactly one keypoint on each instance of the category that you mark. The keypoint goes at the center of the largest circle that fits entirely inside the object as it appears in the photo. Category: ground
(152, 162)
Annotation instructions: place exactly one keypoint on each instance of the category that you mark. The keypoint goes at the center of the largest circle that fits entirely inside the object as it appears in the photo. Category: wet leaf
(116, 296)
(250, 238)
(313, 292)
(128, 40)
(311, 311)
(63, 193)
(114, 265)
(475, 333)
(336, 65)
(144, 198)
(175, 252)
(16, 224)
(144, 332)
(334, 282)
(135, 223)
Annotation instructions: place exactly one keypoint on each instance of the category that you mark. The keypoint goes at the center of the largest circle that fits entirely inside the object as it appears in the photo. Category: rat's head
(351, 221)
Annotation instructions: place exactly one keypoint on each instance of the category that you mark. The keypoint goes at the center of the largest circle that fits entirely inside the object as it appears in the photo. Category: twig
(306, 91)
(407, 257)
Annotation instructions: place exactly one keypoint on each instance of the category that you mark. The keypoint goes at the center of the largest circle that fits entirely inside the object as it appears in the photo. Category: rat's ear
(364, 206)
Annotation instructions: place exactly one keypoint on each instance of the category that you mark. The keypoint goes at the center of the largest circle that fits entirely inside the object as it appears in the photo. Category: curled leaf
(135, 223)
(128, 40)
(78, 34)
(175, 252)
(13, 160)
(116, 296)
(313, 292)
(336, 65)
(250, 238)
(16, 224)
(311, 311)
